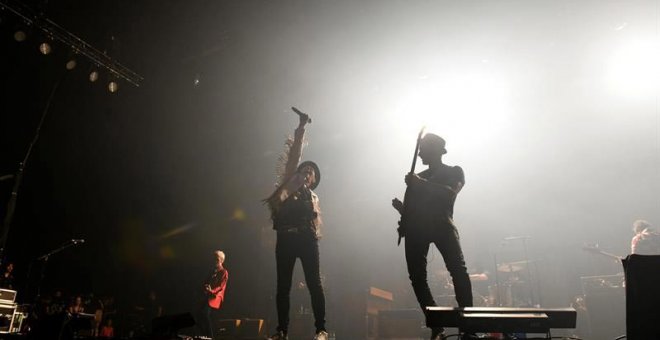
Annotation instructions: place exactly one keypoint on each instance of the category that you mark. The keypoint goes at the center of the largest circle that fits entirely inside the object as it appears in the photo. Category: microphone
(77, 241)
(300, 113)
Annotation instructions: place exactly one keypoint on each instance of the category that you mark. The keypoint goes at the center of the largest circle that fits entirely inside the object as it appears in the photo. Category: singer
(433, 193)
(296, 217)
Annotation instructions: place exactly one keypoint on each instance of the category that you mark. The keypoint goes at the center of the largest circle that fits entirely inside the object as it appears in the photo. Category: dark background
(549, 107)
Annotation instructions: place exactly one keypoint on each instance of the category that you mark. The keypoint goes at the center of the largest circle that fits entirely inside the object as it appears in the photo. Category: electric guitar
(216, 295)
(404, 208)
(595, 249)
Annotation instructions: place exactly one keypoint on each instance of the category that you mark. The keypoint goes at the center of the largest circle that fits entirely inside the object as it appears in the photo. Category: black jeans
(207, 320)
(446, 239)
(305, 246)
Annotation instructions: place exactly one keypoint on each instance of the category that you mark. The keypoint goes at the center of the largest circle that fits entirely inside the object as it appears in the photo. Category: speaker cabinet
(605, 301)
(642, 296)
(226, 329)
(7, 317)
(251, 329)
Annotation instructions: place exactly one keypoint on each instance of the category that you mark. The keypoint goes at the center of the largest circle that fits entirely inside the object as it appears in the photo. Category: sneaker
(437, 333)
(278, 336)
(321, 335)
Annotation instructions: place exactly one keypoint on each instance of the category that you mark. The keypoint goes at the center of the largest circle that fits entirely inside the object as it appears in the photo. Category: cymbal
(478, 277)
(510, 267)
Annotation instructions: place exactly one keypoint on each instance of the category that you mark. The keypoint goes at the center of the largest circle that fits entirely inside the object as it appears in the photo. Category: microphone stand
(45, 258)
(11, 204)
(529, 273)
(497, 281)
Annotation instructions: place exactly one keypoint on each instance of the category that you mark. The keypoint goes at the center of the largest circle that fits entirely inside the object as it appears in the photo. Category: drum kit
(514, 290)
(510, 289)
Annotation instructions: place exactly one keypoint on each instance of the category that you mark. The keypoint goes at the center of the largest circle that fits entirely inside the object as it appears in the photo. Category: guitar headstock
(595, 248)
(592, 247)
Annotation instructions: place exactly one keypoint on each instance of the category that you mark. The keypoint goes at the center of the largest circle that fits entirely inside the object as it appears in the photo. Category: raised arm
(295, 153)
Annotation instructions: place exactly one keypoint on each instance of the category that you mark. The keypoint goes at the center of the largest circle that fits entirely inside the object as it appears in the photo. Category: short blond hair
(220, 255)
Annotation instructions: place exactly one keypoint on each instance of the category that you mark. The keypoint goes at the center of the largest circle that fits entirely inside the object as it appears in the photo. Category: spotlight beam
(78, 45)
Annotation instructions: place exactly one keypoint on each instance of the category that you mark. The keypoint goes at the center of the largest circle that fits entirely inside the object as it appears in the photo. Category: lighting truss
(55, 32)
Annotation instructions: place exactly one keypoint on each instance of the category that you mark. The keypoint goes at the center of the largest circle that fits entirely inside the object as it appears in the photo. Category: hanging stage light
(113, 87)
(93, 75)
(44, 48)
(72, 60)
(20, 35)
(71, 64)
(36, 22)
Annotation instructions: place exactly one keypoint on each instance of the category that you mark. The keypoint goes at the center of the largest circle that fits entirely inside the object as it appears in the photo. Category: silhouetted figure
(7, 278)
(76, 306)
(296, 218)
(432, 194)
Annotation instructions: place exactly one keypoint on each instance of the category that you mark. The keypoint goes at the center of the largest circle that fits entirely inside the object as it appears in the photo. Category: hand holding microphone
(304, 118)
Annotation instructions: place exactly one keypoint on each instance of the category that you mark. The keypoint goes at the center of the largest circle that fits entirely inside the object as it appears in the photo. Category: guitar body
(215, 289)
(215, 301)
(408, 211)
(408, 203)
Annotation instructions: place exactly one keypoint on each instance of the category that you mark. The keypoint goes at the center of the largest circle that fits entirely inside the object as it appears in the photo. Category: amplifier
(251, 329)
(7, 317)
(226, 328)
(7, 296)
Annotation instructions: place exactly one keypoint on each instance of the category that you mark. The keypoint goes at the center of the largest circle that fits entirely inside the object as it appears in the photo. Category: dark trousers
(291, 246)
(446, 240)
(207, 320)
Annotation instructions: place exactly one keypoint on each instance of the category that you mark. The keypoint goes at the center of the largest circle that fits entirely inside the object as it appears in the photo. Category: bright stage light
(466, 109)
(71, 64)
(93, 76)
(113, 87)
(633, 70)
(44, 48)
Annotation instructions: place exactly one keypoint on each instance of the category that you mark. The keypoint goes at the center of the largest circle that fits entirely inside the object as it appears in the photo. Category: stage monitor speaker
(171, 324)
(642, 296)
(251, 329)
(226, 329)
(6, 317)
(400, 324)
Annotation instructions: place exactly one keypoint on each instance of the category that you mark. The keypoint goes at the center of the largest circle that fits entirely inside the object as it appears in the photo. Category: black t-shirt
(435, 207)
(445, 175)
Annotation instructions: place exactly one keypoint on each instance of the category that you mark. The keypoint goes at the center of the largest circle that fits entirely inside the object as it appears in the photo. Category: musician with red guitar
(427, 217)
(214, 288)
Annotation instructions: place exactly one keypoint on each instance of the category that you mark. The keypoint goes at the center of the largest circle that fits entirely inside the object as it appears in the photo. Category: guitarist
(646, 240)
(214, 288)
(428, 218)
